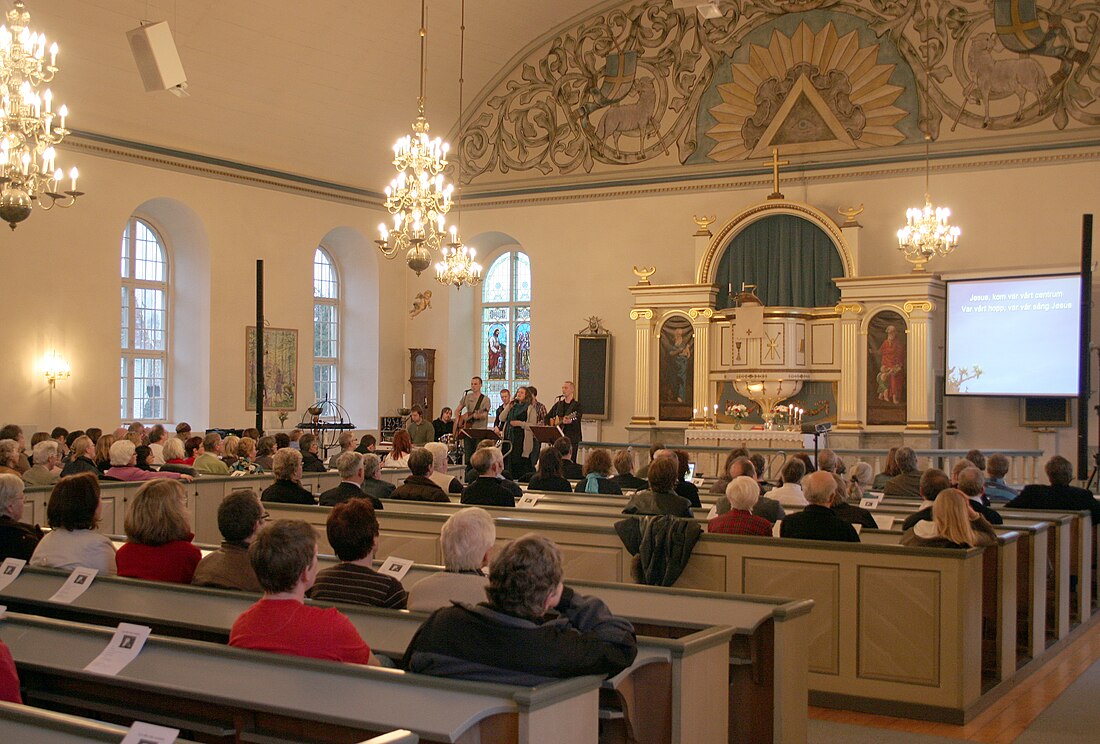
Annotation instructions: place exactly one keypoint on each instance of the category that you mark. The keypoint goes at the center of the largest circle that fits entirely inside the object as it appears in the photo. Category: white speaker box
(157, 58)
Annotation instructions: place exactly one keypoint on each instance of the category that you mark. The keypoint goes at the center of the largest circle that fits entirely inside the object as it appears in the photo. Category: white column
(853, 376)
(643, 354)
(700, 322)
(919, 383)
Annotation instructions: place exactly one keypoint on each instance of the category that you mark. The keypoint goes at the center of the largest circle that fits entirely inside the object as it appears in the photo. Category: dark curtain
(791, 261)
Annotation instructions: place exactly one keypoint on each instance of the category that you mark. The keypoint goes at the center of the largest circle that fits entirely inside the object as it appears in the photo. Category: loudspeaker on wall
(157, 59)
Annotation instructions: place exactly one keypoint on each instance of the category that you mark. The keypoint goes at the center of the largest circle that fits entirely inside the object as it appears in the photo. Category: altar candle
(403, 401)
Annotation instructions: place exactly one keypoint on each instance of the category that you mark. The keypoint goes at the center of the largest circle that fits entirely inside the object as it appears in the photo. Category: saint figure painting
(886, 369)
(677, 370)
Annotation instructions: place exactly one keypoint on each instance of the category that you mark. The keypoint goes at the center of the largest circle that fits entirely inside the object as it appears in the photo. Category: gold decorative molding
(641, 313)
(644, 273)
(643, 421)
(849, 307)
(850, 214)
(911, 306)
(706, 312)
(704, 223)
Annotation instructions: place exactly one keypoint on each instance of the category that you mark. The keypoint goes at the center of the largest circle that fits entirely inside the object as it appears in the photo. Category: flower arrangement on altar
(738, 411)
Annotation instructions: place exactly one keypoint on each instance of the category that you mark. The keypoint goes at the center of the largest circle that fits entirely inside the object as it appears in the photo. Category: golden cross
(775, 162)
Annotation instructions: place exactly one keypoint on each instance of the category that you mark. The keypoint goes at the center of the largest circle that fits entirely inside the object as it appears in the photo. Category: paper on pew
(9, 571)
(77, 583)
(869, 503)
(529, 499)
(713, 511)
(775, 528)
(858, 528)
(123, 648)
(395, 567)
(150, 733)
(884, 521)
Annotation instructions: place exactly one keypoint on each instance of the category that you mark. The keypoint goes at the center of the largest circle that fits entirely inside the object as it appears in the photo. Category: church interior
(714, 186)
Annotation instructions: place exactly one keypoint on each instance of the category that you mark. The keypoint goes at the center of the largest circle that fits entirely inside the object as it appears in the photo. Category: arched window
(144, 324)
(326, 326)
(506, 323)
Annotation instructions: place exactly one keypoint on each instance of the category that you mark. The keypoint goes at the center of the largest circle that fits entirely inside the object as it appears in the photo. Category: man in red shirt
(284, 557)
(742, 493)
(9, 679)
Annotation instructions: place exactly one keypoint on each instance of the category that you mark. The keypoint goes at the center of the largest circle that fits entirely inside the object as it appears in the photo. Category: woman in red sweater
(158, 532)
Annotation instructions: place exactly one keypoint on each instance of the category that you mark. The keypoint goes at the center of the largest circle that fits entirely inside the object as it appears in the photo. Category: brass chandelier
(29, 126)
(459, 266)
(418, 197)
(927, 232)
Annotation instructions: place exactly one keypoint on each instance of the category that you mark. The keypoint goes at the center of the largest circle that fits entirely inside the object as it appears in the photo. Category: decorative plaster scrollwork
(641, 314)
(849, 307)
(706, 312)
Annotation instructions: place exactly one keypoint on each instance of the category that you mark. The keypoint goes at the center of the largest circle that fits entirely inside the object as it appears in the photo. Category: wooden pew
(24, 723)
(690, 660)
(925, 643)
(201, 687)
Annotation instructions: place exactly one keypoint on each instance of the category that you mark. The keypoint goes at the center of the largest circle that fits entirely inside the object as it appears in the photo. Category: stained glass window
(505, 339)
(326, 326)
(143, 377)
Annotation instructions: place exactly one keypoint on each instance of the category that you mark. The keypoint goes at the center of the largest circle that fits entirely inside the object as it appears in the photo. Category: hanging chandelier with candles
(459, 266)
(927, 232)
(418, 197)
(29, 127)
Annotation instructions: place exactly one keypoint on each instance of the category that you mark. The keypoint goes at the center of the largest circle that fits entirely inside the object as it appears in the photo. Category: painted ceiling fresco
(646, 85)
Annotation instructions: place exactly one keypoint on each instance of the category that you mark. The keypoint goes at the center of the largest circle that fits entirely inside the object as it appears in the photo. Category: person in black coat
(311, 454)
(817, 521)
(684, 487)
(489, 489)
(1059, 495)
(287, 488)
(548, 476)
(81, 458)
(570, 469)
(624, 466)
(352, 475)
(17, 540)
(418, 486)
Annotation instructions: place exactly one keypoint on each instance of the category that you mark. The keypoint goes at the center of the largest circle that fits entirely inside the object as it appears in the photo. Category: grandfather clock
(422, 380)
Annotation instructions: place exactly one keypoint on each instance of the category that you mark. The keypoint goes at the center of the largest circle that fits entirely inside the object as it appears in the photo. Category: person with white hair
(467, 540)
(352, 474)
(17, 540)
(817, 521)
(742, 493)
(439, 473)
(124, 465)
(47, 459)
(862, 476)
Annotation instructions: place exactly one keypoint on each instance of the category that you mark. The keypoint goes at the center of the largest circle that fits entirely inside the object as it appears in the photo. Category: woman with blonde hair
(954, 525)
(246, 457)
(158, 531)
(103, 452)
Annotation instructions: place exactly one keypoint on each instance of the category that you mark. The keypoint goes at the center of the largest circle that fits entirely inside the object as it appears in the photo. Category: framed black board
(592, 373)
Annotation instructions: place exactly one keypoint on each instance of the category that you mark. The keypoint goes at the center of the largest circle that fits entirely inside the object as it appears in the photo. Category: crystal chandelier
(927, 233)
(458, 266)
(418, 197)
(28, 160)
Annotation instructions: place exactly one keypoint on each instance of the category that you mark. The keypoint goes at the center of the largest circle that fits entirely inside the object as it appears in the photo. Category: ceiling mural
(646, 83)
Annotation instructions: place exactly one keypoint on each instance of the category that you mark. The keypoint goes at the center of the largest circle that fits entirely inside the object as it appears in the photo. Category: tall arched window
(506, 323)
(326, 326)
(144, 389)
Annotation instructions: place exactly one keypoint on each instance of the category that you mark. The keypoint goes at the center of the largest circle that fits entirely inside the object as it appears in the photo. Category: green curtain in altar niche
(791, 261)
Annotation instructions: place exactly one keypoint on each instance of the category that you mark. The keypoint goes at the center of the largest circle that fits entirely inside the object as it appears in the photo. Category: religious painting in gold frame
(886, 369)
(676, 369)
(280, 369)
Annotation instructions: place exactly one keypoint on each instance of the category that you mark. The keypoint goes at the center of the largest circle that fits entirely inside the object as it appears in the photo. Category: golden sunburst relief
(806, 93)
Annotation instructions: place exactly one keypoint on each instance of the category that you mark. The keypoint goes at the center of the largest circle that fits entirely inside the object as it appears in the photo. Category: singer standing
(473, 413)
(567, 413)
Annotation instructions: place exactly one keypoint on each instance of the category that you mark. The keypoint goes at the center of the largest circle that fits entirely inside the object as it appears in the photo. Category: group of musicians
(513, 420)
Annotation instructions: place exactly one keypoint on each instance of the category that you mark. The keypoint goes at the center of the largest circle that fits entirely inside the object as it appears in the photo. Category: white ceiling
(319, 88)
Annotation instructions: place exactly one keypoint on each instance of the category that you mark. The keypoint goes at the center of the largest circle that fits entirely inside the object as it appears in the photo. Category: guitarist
(471, 412)
(567, 413)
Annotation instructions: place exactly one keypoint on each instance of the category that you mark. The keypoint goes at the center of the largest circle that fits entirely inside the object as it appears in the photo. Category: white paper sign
(529, 499)
(884, 521)
(697, 481)
(395, 567)
(858, 528)
(713, 512)
(869, 503)
(77, 583)
(9, 571)
(123, 648)
(148, 733)
(775, 527)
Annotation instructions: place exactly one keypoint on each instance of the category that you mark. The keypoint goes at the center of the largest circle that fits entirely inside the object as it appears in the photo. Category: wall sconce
(56, 368)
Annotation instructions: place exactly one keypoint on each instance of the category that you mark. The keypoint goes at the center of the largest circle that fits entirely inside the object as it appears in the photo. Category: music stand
(478, 434)
(546, 434)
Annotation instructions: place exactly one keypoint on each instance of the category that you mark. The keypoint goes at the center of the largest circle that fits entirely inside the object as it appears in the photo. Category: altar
(777, 317)
(709, 463)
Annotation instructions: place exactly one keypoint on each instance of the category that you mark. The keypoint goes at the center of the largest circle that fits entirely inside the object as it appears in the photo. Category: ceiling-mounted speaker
(157, 59)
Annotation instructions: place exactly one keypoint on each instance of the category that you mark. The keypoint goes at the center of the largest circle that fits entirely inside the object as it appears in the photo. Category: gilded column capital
(706, 312)
(849, 307)
(912, 306)
(641, 313)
